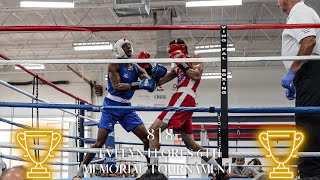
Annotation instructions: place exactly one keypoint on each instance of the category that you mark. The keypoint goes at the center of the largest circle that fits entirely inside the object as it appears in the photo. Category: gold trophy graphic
(269, 140)
(25, 139)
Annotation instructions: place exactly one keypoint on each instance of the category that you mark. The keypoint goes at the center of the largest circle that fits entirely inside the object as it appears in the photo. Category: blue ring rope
(91, 140)
(309, 109)
(15, 124)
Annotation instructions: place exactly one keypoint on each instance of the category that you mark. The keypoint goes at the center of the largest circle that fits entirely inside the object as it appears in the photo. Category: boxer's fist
(158, 71)
(146, 66)
(148, 84)
(143, 55)
(183, 66)
(177, 54)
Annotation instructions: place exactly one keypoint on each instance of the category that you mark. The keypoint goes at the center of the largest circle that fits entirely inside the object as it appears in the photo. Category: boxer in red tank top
(188, 79)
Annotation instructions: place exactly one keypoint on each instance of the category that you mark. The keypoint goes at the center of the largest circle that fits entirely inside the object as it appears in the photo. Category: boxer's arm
(169, 76)
(142, 73)
(195, 72)
(114, 76)
(306, 48)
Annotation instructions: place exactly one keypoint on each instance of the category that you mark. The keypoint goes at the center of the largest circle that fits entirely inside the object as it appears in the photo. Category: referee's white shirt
(291, 38)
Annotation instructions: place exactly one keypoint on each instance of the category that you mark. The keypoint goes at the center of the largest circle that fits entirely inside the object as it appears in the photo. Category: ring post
(81, 131)
(223, 140)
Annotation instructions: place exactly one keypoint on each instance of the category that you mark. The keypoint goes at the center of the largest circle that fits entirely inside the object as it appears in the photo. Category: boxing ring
(222, 112)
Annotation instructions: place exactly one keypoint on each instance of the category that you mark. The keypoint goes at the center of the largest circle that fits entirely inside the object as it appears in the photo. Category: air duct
(131, 7)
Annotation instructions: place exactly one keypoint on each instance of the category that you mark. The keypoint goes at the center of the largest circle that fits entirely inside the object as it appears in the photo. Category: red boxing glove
(177, 54)
(145, 65)
(144, 55)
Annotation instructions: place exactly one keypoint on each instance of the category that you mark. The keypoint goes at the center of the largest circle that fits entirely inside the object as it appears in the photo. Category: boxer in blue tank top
(122, 82)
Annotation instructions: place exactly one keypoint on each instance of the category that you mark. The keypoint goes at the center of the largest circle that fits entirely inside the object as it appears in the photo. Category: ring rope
(107, 150)
(183, 153)
(157, 28)
(309, 109)
(46, 81)
(41, 100)
(15, 124)
(16, 158)
(133, 161)
(91, 140)
(162, 145)
(161, 60)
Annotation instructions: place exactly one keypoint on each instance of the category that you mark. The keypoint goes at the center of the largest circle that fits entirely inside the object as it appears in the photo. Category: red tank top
(185, 81)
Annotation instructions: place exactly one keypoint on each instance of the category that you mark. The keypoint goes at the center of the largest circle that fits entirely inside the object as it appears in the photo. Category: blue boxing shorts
(128, 119)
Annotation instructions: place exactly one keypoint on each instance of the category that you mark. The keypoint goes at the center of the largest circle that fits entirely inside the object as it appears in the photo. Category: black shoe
(221, 176)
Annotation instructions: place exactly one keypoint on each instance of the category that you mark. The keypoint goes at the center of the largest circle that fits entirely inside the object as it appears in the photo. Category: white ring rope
(42, 100)
(145, 162)
(161, 60)
(234, 165)
(164, 153)
(16, 158)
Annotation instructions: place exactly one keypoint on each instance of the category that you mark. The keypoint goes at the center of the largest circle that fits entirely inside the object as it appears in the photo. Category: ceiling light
(212, 48)
(213, 3)
(32, 66)
(81, 46)
(47, 3)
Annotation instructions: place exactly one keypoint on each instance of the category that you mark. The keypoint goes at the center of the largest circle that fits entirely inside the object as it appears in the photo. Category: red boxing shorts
(179, 120)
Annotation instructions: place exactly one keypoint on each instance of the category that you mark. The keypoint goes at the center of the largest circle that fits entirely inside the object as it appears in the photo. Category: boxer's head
(178, 44)
(14, 173)
(287, 5)
(122, 49)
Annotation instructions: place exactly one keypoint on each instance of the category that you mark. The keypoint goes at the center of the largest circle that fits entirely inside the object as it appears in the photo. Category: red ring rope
(167, 27)
(47, 82)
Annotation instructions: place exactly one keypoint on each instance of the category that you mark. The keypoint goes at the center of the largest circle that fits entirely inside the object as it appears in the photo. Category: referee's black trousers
(307, 83)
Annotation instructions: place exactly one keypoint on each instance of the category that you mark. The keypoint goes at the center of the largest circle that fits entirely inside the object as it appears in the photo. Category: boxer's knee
(99, 144)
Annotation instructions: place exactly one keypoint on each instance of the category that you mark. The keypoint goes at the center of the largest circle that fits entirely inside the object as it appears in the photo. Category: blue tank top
(126, 76)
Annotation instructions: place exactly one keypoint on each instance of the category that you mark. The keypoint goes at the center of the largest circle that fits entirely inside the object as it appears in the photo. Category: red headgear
(178, 44)
(175, 47)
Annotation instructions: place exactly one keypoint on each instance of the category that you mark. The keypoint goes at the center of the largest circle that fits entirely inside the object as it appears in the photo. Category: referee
(302, 80)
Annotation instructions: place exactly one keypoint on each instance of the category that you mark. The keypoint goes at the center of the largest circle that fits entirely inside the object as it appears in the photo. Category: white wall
(248, 88)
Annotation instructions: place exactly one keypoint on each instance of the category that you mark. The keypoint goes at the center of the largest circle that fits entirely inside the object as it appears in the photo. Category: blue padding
(307, 109)
(90, 123)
